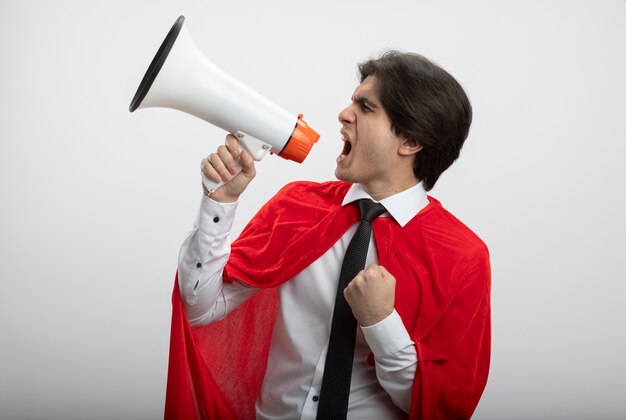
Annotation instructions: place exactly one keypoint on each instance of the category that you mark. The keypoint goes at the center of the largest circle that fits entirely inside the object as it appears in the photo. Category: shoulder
(326, 191)
(305, 199)
(445, 233)
(307, 194)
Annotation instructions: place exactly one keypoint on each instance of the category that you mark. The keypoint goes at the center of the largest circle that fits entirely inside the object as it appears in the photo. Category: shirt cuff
(215, 218)
(387, 336)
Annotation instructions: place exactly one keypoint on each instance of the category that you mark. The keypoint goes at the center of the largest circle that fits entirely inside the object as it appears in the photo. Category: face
(370, 154)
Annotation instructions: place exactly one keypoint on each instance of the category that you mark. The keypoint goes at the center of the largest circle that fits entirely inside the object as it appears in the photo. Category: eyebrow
(364, 101)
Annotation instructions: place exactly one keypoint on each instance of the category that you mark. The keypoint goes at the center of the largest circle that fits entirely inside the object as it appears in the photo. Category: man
(421, 301)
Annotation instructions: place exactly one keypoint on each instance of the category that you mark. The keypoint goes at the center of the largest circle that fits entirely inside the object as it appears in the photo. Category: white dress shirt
(301, 333)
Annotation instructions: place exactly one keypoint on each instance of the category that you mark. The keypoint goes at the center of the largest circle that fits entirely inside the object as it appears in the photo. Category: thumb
(247, 165)
(238, 184)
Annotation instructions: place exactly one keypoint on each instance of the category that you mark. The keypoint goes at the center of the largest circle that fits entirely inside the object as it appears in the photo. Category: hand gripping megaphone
(181, 77)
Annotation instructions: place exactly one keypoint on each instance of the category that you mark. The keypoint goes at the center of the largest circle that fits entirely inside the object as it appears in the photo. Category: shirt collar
(402, 206)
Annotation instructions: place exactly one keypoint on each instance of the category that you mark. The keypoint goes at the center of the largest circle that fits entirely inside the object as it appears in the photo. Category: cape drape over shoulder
(442, 295)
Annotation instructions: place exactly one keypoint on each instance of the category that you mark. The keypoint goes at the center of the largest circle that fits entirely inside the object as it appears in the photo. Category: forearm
(395, 358)
(201, 261)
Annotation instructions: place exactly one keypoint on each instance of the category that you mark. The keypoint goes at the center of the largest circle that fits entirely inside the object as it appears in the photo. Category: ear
(409, 147)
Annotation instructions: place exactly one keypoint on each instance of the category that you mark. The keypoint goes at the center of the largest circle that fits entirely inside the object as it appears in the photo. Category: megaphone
(181, 77)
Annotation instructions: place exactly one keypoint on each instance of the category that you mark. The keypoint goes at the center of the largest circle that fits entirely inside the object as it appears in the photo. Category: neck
(381, 190)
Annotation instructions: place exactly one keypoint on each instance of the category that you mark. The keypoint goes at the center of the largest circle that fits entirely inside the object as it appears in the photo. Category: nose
(346, 115)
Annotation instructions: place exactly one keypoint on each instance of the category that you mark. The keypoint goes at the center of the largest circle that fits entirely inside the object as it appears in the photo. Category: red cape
(442, 295)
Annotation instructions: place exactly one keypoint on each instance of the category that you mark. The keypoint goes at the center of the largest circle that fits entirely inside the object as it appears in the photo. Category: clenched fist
(371, 295)
(230, 165)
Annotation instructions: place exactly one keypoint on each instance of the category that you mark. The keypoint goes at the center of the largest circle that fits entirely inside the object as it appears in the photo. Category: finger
(209, 171)
(372, 268)
(360, 274)
(240, 182)
(385, 273)
(233, 145)
(218, 165)
(372, 271)
(228, 160)
(348, 292)
(247, 165)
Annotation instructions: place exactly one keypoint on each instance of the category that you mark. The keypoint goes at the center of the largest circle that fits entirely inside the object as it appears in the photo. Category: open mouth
(347, 147)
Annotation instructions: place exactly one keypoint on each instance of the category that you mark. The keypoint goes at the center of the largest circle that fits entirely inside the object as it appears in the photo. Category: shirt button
(216, 219)
(316, 398)
(198, 265)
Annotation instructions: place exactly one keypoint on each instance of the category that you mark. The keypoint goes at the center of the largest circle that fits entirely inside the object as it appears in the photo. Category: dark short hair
(426, 105)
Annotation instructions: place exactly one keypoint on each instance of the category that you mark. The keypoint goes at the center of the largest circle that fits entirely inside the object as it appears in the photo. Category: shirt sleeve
(201, 262)
(395, 358)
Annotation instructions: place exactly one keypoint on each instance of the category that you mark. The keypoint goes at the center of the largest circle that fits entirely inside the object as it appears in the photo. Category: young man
(421, 300)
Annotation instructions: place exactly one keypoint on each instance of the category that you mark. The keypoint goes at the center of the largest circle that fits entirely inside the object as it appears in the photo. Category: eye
(364, 107)
(364, 104)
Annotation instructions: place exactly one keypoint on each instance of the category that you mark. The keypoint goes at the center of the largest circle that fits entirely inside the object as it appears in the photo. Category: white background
(96, 200)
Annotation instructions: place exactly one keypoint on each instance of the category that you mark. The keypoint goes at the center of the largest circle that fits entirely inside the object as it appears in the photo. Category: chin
(343, 176)
(339, 175)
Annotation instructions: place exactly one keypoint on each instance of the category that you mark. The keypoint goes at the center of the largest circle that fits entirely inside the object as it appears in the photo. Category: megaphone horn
(181, 77)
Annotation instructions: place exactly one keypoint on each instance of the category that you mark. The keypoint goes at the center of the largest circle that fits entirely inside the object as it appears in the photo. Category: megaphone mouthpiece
(300, 143)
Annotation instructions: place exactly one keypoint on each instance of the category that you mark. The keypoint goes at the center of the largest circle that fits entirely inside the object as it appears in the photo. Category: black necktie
(333, 401)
